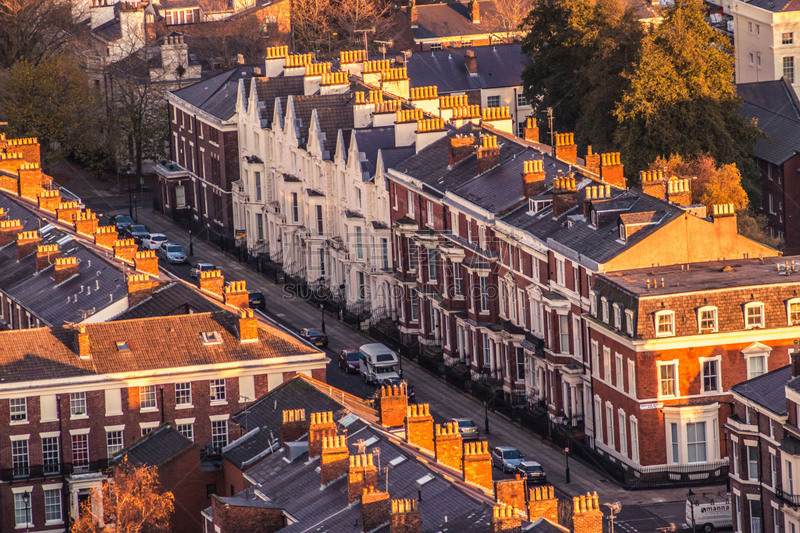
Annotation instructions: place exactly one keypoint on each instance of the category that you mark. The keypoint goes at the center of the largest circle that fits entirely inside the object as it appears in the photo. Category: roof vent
(211, 337)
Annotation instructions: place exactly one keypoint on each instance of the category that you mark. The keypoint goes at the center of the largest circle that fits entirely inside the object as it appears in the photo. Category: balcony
(788, 498)
(171, 170)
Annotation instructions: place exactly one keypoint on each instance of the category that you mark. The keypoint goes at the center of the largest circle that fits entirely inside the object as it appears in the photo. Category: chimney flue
(81, 341)
(471, 62)
(796, 359)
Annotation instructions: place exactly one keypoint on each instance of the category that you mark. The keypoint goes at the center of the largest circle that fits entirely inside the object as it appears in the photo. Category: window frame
(180, 395)
(753, 305)
(215, 434)
(789, 303)
(20, 456)
(675, 380)
(78, 400)
(150, 392)
(216, 386)
(20, 410)
(717, 360)
(657, 323)
(54, 505)
(700, 320)
(118, 435)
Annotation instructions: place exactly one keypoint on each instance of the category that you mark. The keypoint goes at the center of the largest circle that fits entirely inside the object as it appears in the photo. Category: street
(642, 511)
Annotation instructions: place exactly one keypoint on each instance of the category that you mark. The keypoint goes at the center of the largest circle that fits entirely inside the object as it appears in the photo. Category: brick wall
(393, 405)
(510, 492)
(542, 503)
(234, 519)
(375, 509)
(477, 464)
(405, 517)
(419, 426)
(448, 445)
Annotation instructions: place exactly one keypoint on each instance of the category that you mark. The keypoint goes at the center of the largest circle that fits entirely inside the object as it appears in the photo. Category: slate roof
(176, 298)
(334, 112)
(452, 19)
(777, 6)
(109, 31)
(775, 107)
(154, 343)
(498, 66)
(372, 140)
(768, 390)
(544, 525)
(217, 94)
(99, 283)
(267, 89)
(155, 448)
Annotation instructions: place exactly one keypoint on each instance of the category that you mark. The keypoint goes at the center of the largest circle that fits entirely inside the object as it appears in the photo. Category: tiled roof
(775, 107)
(155, 448)
(498, 66)
(452, 19)
(216, 95)
(768, 390)
(334, 112)
(267, 89)
(176, 298)
(154, 343)
(777, 6)
(109, 31)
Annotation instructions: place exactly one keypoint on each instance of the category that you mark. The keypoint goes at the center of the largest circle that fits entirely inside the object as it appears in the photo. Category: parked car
(349, 360)
(710, 513)
(378, 364)
(314, 336)
(257, 300)
(137, 232)
(506, 458)
(197, 268)
(172, 252)
(467, 428)
(121, 222)
(532, 472)
(153, 240)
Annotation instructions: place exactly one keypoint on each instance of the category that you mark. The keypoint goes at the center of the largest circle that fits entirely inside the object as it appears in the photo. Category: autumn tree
(312, 25)
(133, 502)
(354, 15)
(32, 30)
(508, 15)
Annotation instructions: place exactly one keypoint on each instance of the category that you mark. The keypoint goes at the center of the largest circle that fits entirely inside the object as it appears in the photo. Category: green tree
(681, 97)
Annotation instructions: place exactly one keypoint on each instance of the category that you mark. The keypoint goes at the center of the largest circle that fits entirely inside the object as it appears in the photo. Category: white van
(377, 363)
(710, 513)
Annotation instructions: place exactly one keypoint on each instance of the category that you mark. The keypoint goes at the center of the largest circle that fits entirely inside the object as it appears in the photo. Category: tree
(681, 97)
(353, 15)
(312, 24)
(132, 503)
(33, 30)
(508, 15)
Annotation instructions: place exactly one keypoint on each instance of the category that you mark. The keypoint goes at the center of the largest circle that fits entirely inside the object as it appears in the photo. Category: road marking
(280, 315)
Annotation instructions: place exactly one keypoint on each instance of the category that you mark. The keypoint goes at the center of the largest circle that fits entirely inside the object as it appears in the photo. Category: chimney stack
(471, 62)
(542, 503)
(81, 341)
(592, 161)
(362, 474)
(461, 147)
(67, 211)
(140, 288)
(510, 492)
(488, 153)
(66, 267)
(85, 223)
(375, 509)
(3, 215)
(105, 236)
(393, 405)
(679, 191)
(592, 194)
(653, 184)
(724, 218)
(533, 178)
(795, 356)
(531, 130)
(321, 426)
(405, 517)
(236, 295)
(146, 262)
(587, 516)
(48, 200)
(212, 281)
(45, 256)
(565, 195)
(9, 229)
(335, 458)
(505, 520)
(448, 445)
(477, 465)
(475, 12)
(27, 243)
(125, 249)
(565, 148)
(30, 180)
(419, 426)
(611, 169)
(294, 425)
(413, 15)
(248, 326)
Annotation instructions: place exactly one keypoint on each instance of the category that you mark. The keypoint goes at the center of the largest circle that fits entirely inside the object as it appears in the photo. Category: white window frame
(182, 394)
(218, 391)
(714, 325)
(665, 317)
(623, 437)
(18, 407)
(607, 364)
(618, 372)
(560, 276)
(483, 284)
(604, 305)
(752, 461)
(27, 510)
(410, 197)
(77, 405)
(756, 351)
(632, 378)
(634, 423)
(53, 490)
(617, 316)
(789, 303)
(148, 398)
(610, 426)
(21, 455)
(595, 351)
(117, 433)
(216, 434)
(753, 305)
(629, 329)
(676, 382)
(703, 360)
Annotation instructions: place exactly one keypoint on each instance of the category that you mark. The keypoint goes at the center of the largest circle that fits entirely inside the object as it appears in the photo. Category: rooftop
(776, 6)
(452, 19)
(217, 94)
(776, 109)
(176, 298)
(156, 448)
(768, 390)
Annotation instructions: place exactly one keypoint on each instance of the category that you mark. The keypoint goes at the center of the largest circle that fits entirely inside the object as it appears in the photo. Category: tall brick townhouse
(498, 240)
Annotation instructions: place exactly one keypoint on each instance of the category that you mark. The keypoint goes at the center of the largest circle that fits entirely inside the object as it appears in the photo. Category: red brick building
(75, 396)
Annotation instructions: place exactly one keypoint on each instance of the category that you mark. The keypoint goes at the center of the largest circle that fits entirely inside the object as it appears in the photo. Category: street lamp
(486, 416)
(613, 509)
(566, 462)
(322, 312)
(130, 198)
(26, 497)
(691, 497)
(191, 244)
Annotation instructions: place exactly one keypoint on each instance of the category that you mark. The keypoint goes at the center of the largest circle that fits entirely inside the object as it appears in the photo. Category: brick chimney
(413, 15)
(679, 191)
(30, 180)
(9, 229)
(105, 236)
(248, 326)
(362, 474)
(294, 425)
(321, 426)
(488, 153)
(795, 357)
(335, 458)
(393, 405)
(542, 503)
(653, 184)
(376, 509)
(48, 200)
(611, 169)
(461, 147)
(724, 218)
(66, 267)
(236, 295)
(81, 339)
(46, 256)
(86, 223)
(592, 161)
(140, 288)
(565, 195)
(477, 464)
(124, 249)
(405, 517)
(505, 520)
(592, 194)
(475, 12)
(419, 426)
(531, 130)
(3, 215)
(146, 262)
(471, 62)
(448, 445)
(212, 281)
(510, 492)
(533, 178)
(587, 516)
(27, 243)
(565, 148)
(66, 212)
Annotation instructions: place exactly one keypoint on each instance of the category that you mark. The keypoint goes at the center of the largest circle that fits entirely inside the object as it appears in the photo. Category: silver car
(199, 268)
(506, 458)
(467, 428)
(172, 252)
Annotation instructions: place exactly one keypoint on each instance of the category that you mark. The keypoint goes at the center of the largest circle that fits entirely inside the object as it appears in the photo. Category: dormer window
(754, 315)
(623, 234)
(665, 323)
(604, 303)
(211, 338)
(707, 319)
(593, 303)
(617, 316)
(629, 322)
(593, 217)
(793, 311)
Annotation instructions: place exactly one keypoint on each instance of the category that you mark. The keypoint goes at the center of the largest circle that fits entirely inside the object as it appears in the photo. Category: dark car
(257, 300)
(315, 337)
(506, 458)
(532, 472)
(349, 360)
(467, 428)
(137, 232)
(121, 222)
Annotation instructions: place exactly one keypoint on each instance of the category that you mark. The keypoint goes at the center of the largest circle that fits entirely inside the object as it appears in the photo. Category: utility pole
(365, 32)
(550, 125)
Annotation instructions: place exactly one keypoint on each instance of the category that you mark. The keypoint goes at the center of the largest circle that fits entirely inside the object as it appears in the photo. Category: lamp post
(566, 463)
(130, 198)
(322, 313)
(486, 416)
(690, 496)
(191, 244)
(26, 497)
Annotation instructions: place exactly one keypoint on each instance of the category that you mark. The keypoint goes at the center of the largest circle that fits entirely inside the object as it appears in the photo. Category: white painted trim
(218, 418)
(79, 431)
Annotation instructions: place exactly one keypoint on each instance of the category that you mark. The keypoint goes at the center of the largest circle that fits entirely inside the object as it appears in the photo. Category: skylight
(397, 460)
(123, 346)
(211, 337)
